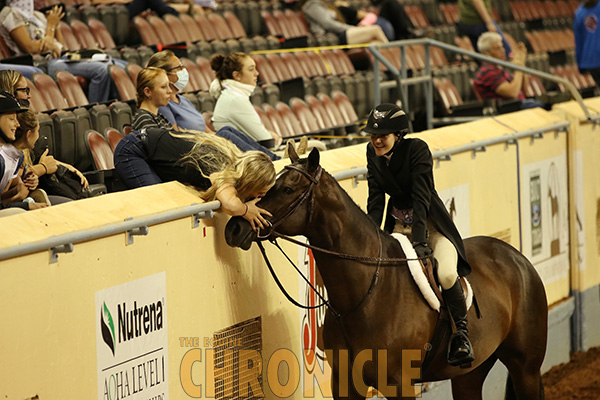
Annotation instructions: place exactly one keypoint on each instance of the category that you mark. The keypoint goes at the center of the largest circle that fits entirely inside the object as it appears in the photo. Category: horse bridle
(297, 203)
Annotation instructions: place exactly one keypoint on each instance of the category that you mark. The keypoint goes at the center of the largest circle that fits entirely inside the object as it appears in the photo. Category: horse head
(290, 201)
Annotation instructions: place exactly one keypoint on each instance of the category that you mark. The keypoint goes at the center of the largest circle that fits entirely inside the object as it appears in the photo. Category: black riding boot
(459, 348)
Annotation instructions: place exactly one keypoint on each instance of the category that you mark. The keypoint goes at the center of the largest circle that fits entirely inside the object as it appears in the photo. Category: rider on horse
(403, 168)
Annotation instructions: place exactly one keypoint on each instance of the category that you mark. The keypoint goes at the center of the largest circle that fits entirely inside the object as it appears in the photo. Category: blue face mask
(183, 78)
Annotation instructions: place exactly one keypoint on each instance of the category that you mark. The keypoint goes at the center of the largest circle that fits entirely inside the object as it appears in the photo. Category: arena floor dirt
(579, 379)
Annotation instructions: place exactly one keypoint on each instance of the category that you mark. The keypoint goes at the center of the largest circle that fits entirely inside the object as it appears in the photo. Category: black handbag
(63, 183)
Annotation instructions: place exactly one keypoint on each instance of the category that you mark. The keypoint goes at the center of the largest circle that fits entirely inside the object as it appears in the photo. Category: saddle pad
(421, 280)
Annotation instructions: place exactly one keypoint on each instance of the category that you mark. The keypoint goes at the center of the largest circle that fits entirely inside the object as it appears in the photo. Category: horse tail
(510, 390)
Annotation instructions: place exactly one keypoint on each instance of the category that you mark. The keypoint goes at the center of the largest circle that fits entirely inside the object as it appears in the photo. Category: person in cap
(403, 168)
(10, 157)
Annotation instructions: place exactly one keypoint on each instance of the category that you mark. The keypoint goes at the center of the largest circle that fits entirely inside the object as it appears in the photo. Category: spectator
(136, 7)
(10, 159)
(494, 83)
(393, 11)
(14, 83)
(153, 91)
(25, 70)
(587, 38)
(207, 162)
(236, 78)
(27, 31)
(475, 19)
(322, 19)
(183, 115)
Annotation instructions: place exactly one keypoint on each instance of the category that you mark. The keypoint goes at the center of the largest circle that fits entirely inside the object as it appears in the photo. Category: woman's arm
(421, 171)
(22, 39)
(16, 191)
(376, 199)
(82, 178)
(233, 205)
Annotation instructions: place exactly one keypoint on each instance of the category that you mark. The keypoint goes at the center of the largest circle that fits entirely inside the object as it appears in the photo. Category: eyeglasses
(180, 66)
(27, 90)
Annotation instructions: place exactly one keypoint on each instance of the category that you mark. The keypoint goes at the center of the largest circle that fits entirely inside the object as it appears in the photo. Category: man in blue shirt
(587, 38)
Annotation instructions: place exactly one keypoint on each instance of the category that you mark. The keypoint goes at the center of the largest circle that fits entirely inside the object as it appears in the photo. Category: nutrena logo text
(131, 340)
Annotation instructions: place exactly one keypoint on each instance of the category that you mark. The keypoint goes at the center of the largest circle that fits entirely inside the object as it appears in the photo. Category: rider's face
(383, 143)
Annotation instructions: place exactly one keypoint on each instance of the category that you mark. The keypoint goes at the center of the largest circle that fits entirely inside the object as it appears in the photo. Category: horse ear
(291, 152)
(313, 159)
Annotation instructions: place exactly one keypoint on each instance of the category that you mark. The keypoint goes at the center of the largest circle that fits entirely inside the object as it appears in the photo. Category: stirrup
(465, 361)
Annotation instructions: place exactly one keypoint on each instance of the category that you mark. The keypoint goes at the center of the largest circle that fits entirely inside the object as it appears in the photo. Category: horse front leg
(342, 384)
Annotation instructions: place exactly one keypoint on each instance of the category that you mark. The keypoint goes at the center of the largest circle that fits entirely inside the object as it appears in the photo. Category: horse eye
(288, 190)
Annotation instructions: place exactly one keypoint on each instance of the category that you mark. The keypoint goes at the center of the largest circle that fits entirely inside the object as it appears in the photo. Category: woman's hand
(49, 162)
(253, 215)
(84, 181)
(54, 16)
(31, 181)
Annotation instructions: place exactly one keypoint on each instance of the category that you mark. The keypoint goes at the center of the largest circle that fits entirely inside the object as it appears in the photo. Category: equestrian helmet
(387, 118)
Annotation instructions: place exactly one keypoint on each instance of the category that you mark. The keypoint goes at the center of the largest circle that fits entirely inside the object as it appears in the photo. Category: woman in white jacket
(236, 79)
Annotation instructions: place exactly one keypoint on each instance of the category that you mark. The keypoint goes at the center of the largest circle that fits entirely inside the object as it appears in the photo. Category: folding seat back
(241, 11)
(277, 122)
(308, 68)
(535, 87)
(100, 150)
(113, 136)
(318, 64)
(83, 123)
(163, 32)
(107, 14)
(205, 101)
(175, 26)
(47, 132)
(288, 30)
(133, 70)
(70, 89)
(345, 107)
(70, 41)
(297, 22)
(100, 117)
(321, 115)
(65, 136)
(289, 119)
(331, 109)
(279, 67)
(190, 25)
(266, 72)
(84, 35)
(237, 29)
(197, 81)
(206, 70)
(206, 27)
(332, 63)
(308, 121)
(37, 102)
(220, 26)
(254, 18)
(292, 64)
(271, 24)
(264, 119)
(124, 85)
(121, 114)
(50, 92)
(344, 62)
(88, 13)
(149, 37)
(101, 34)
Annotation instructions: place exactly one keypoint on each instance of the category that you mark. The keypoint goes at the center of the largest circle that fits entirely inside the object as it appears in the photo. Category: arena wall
(53, 344)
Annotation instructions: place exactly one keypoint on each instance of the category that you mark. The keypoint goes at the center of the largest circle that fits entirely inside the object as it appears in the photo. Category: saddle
(424, 277)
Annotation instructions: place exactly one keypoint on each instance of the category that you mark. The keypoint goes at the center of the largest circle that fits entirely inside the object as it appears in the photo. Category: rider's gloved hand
(423, 250)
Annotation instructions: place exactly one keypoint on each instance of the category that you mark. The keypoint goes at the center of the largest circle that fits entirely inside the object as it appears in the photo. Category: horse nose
(239, 233)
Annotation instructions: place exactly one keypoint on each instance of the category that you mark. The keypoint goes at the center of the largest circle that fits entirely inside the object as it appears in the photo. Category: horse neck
(343, 228)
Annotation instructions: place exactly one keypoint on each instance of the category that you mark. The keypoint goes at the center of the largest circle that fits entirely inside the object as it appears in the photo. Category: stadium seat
(113, 136)
(100, 150)
(197, 80)
(309, 122)
(70, 89)
(194, 33)
(277, 122)
(101, 34)
(50, 92)
(70, 41)
(133, 70)
(264, 119)
(37, 102)
(83, 34)
(345, 107)
(289, 119)
(124, 85)
(149, 37)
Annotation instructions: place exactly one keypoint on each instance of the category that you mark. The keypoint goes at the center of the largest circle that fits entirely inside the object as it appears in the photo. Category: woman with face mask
(183, 115)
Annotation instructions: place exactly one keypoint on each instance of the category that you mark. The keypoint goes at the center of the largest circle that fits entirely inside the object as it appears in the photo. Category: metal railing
(140, 226)
(402, 79)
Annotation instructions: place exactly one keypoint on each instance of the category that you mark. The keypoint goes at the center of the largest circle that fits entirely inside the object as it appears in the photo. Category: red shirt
(488, 78)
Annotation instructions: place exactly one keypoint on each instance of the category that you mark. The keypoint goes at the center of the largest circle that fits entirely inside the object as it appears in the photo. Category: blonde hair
(161, 59)
(9, 78)
(248, 172)
(146, 79)
(28, 121)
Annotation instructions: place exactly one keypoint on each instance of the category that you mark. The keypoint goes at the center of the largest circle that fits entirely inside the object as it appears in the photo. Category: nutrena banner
(131, 340)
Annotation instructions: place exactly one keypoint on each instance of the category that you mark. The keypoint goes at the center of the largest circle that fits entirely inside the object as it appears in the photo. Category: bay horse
(392, 314)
